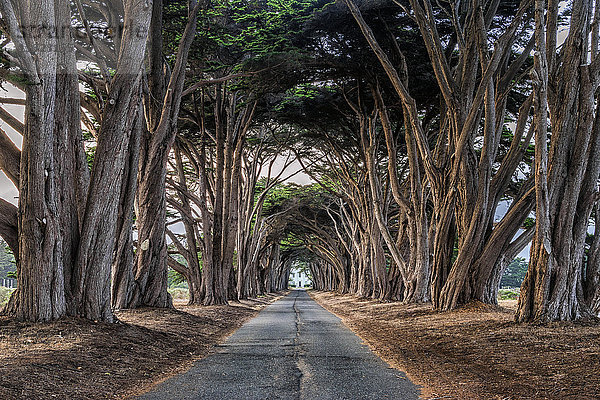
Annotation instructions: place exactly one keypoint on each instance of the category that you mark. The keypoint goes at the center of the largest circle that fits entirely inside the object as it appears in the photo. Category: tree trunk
(150, 287)
(123, 263)
(8, 226)
(67, 226)
(99, 228)
(193, 276)
(151, 265)
(70, 162)
(592, 287)
(10, 161)
(40, 294)
(444, 236)
(566, 174)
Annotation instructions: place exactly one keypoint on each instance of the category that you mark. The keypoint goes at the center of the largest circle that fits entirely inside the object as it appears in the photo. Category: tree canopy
(436, 141)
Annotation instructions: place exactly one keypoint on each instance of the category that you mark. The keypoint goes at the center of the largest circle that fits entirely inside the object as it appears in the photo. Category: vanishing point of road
(294, 349)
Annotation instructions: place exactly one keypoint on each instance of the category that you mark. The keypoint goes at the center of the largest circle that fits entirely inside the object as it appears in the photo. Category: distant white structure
(8, 282)
(300, 279)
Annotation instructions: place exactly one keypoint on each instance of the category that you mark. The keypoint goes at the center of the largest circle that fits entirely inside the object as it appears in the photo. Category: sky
(8, 191)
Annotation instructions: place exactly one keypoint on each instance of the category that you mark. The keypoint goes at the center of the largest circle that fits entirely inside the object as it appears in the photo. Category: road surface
(294, 349)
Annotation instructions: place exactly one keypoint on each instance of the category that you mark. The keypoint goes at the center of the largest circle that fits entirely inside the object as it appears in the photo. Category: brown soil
(477, 352)
(78, 359)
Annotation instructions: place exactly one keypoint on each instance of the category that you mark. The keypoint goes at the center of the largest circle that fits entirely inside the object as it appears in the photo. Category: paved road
(294, 349)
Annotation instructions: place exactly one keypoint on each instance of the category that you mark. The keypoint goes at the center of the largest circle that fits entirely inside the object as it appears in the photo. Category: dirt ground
(77, 359)
(477, 352)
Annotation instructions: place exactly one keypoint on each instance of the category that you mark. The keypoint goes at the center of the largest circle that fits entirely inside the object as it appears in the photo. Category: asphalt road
(294, 349)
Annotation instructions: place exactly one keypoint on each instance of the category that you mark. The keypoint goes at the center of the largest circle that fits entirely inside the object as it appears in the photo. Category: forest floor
(476, 352)
(78, 359)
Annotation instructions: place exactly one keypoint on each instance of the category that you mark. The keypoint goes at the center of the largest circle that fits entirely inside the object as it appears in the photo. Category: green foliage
(90, 154)
(176, 280)
(515, 273)
(508, 294)
(5, 295)
(237, 35)
(6, 74)
(259, 26)
(529, 154)
(8, 266)
(528, 223)
(277, 196)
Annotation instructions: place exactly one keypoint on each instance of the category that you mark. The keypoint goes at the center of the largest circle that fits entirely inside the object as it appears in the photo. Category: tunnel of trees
(436, 140)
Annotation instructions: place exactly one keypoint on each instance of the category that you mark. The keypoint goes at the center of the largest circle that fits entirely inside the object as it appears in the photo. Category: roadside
(77, 359)
(476, 352)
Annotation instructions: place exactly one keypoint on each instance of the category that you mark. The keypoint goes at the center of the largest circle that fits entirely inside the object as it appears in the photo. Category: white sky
(8, 191)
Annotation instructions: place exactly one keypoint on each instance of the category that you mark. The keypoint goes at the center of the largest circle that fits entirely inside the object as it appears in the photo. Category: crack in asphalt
(299, 353)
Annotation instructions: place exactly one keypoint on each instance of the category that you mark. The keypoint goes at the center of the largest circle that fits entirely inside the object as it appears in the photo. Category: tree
(67, 226)
(150, 273)
(567, 166)
(592, 266)
(514, 273)
(216, 167)
(465, 186)
(7, 262)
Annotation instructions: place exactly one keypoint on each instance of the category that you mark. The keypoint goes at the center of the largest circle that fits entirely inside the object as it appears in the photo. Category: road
(294, 349)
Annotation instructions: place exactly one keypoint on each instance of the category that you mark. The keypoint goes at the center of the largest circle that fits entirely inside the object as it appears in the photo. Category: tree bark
(10, 158)
(8, 226)
(67, 220)
(193, 271)
(122, 268)
(592, 286)
(70, 160)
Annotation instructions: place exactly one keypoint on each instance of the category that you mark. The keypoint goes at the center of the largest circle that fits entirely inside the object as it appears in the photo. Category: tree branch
(10, 158)
(12, 121)
(8, 225)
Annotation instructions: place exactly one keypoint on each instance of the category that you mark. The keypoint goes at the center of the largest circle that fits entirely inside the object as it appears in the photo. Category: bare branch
(8, 225)
(5, 100)
(10, 158)
(12, 121)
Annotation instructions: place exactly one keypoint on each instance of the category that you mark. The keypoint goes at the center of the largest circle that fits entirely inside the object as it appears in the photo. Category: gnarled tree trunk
(150, 287)
(566, 172)
(41, 288)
